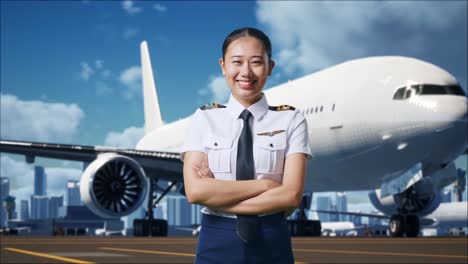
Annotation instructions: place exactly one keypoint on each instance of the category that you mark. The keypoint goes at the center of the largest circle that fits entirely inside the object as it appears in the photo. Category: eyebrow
(240, 56)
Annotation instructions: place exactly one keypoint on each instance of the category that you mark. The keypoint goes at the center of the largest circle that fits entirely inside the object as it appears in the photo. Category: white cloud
(21, 177)
(160, 8)
(126, 139)
(100, 74)
(130, 33)
(37, 120)
(218, 89)
(131, 78)
(102, 88)
(99, 64)
(86, 71)
(130, 8)
(105, 74)
(311, 35)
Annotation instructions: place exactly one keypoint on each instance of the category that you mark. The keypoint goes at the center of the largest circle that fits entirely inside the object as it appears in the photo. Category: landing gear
(299, 225)
(305, 227)
(150, 226)
(412, 226)
(404, 224)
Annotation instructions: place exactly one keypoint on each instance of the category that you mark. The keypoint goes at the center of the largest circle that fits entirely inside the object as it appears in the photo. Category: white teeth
(245, 82)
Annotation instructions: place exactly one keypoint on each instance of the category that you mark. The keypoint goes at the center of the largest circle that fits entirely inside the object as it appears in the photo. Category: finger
(205, 164)
(195, 167)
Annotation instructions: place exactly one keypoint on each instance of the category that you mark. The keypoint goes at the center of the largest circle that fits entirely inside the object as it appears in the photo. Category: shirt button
(216, 144)
(271, 145)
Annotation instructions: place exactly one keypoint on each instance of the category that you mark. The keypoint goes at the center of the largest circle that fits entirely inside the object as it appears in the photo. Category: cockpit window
(455, 90)
(427, 89)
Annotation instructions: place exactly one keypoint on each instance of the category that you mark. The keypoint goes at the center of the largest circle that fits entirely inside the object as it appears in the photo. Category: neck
(247, 102)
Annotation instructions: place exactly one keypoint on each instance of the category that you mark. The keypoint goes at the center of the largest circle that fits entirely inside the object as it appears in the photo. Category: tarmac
(23, 249)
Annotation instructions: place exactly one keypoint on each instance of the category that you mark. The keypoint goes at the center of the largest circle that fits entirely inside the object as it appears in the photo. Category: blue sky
(70, 69)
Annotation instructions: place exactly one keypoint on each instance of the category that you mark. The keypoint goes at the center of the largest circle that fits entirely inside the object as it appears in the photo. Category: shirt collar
(258, 109)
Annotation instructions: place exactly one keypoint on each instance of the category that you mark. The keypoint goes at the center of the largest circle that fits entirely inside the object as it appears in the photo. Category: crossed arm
(244, 197)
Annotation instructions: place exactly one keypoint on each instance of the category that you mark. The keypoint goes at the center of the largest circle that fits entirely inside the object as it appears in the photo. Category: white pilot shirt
(276, 134)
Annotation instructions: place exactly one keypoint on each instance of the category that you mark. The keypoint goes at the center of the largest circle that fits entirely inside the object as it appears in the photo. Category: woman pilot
(245, 161)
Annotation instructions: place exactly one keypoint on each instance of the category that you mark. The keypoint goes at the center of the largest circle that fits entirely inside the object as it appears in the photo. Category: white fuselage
(358, 133)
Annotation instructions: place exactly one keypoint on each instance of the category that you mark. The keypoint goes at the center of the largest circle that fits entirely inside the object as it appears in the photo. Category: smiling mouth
(246, 84)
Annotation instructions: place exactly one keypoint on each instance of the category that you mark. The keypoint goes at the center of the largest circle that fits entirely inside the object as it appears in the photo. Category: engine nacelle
(113, 186)
(420, 199)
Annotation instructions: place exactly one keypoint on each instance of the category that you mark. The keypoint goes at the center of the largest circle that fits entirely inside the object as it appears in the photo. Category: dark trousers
(219, 243)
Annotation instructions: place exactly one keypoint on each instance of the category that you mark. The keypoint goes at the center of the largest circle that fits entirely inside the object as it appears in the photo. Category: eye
(257, 62)
(236, 62)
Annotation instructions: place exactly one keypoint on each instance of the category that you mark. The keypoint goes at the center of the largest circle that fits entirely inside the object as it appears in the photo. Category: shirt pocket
(269, 154)
(219, 154)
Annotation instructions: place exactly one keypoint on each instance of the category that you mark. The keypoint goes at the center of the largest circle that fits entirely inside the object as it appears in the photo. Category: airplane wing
(164, 165)
(351, 213)
(424, 221)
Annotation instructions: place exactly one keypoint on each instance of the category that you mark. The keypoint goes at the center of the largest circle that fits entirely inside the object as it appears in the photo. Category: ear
(221, 63)
(271, 65)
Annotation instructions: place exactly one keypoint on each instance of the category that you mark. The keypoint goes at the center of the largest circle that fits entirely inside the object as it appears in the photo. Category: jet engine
(113, 186)
(420, 199)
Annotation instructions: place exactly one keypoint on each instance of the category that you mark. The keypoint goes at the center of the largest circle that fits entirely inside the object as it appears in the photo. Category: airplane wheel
(396, 226)
(412, 226)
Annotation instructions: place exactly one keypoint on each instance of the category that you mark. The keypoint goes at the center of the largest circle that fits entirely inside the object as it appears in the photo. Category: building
(73, 193)
(196, 214)
(357, 219)
(76, 220)
(342, 205)
(24, 210)
(55, 202)
(9, 204)
(324, 203)
(39, 207)
(178, 210)
(4, 192)
(40, 181)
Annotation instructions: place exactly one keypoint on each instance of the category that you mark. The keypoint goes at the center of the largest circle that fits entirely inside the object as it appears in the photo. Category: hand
(203, 170)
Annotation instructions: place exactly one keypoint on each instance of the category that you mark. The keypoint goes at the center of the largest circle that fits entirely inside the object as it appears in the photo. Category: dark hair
(251, 32)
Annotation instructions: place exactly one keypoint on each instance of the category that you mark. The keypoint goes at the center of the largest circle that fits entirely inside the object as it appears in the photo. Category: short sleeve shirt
(276, 133)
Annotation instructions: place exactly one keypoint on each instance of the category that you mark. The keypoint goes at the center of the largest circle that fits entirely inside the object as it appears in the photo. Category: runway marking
(149, 251)
(37, 254)
(87, 254)
(380, 253)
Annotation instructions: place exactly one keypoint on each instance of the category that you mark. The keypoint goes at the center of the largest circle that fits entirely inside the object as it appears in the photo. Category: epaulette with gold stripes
(212, 106)
(282, 108)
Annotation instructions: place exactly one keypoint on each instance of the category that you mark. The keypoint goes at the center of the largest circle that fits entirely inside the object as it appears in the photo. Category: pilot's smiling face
(246, 68)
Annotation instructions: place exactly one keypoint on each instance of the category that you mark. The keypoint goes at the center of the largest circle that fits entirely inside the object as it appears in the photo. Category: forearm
(274, 200)
(216, 193)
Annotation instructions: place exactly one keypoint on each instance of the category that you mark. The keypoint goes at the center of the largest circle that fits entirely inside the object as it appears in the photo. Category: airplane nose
(448, 121)
(450, 110)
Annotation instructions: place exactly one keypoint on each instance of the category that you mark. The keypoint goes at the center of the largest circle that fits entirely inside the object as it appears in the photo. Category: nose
(450, 119)
(246, 71)
(445, 110)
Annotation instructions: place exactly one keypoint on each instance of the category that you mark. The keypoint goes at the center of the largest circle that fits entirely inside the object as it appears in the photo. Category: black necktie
(247, 226)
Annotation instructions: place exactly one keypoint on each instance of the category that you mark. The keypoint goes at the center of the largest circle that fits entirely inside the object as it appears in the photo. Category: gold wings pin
(270, 134)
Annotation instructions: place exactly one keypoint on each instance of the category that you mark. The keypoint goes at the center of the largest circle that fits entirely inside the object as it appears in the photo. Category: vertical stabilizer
(153, 118)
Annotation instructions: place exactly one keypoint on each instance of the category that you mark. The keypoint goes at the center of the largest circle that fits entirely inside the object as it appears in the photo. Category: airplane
(391, 124)
(446, 216)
